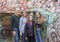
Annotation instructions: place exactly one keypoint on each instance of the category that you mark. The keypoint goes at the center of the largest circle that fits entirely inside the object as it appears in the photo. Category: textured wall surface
(53, 30)
(50, 5)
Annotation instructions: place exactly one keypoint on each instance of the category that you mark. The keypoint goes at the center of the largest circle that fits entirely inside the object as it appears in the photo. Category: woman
(38, 26)
(29, 29)
(23, 21)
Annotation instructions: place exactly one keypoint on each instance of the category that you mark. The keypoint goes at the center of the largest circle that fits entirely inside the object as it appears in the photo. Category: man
(14, 25)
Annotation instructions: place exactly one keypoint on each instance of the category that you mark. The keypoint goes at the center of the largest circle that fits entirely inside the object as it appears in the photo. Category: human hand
(20, 34)
(14, 33)
(26, 38)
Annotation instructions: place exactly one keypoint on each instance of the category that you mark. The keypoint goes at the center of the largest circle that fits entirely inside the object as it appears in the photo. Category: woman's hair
(40, 18)
(36, 18)
(23, 12)
(39, 14)
(28, 21)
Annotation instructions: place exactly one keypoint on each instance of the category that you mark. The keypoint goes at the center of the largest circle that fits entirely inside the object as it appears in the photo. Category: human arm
(11, 23)
(20, 24)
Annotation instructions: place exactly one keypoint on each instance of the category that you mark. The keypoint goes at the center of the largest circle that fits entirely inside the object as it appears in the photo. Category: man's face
(17, 13)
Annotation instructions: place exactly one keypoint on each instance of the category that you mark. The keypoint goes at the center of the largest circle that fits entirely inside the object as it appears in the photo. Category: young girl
(29, 29)
(23, 21)
(38, 25)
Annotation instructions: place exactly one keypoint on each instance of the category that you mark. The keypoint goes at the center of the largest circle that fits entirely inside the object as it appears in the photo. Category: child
(29, 29)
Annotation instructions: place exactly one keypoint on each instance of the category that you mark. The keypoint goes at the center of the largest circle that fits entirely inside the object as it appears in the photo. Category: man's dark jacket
(14, 22)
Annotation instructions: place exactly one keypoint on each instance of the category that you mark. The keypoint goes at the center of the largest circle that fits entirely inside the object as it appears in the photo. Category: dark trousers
(23, 37)
(31, 38)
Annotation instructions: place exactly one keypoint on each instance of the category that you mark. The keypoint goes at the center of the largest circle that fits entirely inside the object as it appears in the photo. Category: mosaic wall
(53, 30)
(50, 5)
